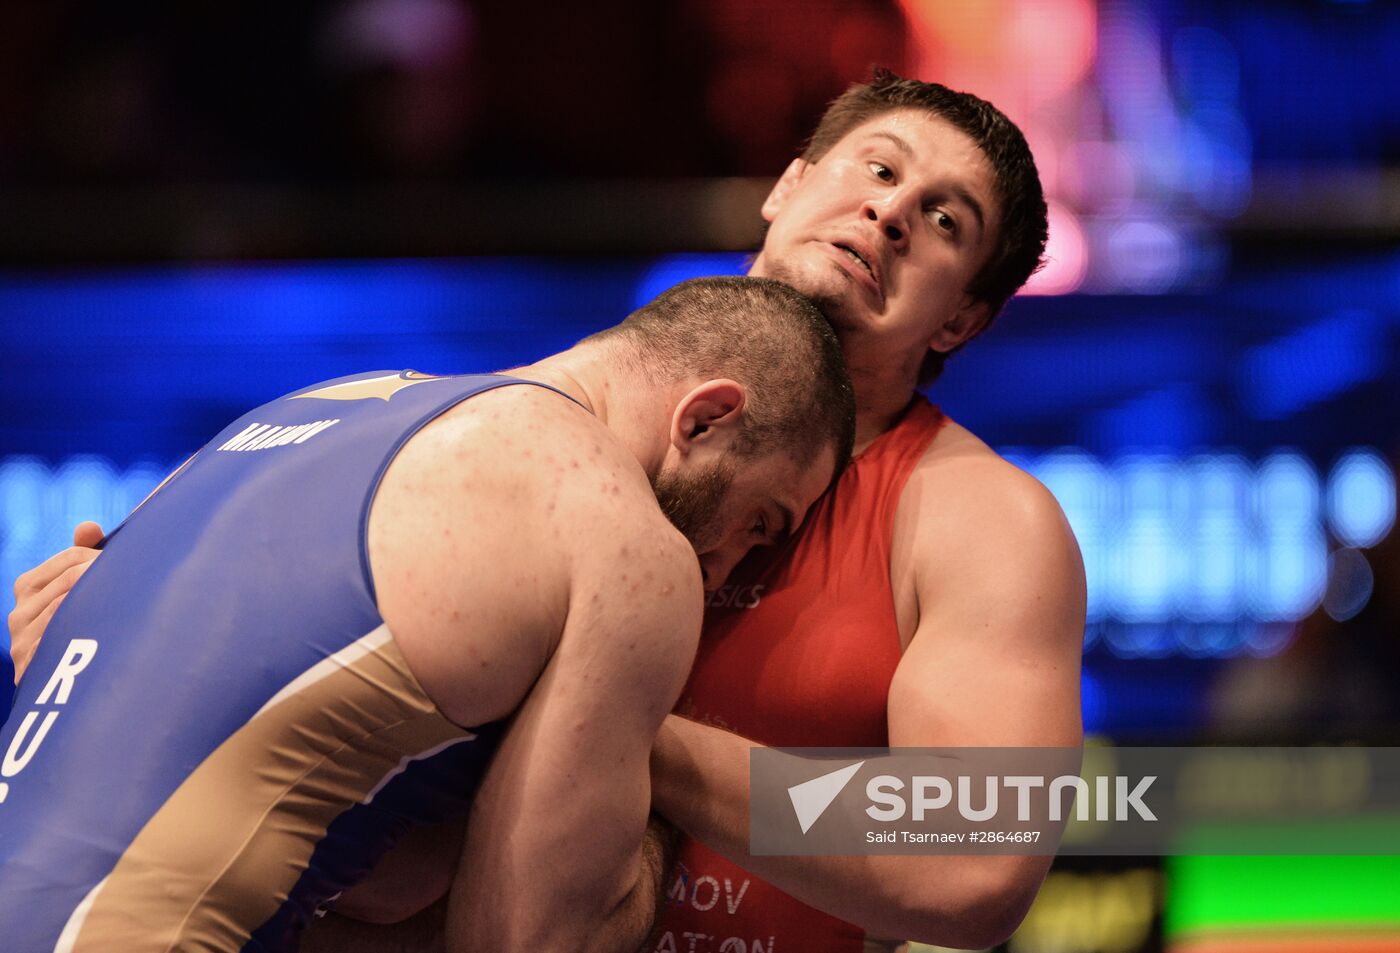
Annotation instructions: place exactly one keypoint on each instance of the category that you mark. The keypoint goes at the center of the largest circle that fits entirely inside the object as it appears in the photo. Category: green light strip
(1210, 893)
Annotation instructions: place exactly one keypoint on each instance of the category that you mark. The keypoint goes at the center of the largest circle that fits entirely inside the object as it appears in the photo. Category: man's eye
(760, 527)
(882, 172)
(945, 221)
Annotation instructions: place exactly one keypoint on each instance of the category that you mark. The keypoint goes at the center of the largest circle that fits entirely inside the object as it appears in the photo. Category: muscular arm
(535, 578)
(554, 856)
(994, 661)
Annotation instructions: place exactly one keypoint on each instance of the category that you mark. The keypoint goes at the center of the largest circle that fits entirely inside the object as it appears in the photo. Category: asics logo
(737, 597)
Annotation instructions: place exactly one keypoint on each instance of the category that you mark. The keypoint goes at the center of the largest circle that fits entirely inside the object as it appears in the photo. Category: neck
(883, 384)
(884, 380)
(630, 406)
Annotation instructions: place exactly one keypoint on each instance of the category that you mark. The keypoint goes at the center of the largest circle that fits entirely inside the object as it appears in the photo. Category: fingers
(40, 591)
(38, 578)
(87, 533)
(28, 608)
(24, 645)
(32, 613)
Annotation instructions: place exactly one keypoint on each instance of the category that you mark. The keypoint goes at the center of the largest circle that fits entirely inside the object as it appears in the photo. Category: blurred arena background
(203, 207)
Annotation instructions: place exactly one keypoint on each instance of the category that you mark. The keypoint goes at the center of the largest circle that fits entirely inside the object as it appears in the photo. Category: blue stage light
(1313, 364)
(674, 269)
(1286, 491)
(1091, 703)
(1361, 499)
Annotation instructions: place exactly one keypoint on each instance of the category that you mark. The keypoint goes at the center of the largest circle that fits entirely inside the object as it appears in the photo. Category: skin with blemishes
(523, 565)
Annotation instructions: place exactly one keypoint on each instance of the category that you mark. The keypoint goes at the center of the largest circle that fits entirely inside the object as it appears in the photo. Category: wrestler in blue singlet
(218, 733)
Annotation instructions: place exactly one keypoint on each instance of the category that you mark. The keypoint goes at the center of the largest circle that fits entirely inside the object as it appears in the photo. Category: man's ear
(710, 410)
(782, 188)
(963, 326)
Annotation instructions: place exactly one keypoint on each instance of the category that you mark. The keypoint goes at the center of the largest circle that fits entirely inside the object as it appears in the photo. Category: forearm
(700, 782)
(557, 856)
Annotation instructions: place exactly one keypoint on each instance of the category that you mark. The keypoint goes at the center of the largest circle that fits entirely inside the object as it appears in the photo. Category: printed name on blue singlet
(258, 436)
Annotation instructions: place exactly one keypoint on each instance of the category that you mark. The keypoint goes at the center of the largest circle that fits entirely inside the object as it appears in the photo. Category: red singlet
(799, 650)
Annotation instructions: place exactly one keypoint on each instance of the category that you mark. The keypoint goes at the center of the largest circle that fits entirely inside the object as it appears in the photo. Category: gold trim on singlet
(382, 387)
(222, 854)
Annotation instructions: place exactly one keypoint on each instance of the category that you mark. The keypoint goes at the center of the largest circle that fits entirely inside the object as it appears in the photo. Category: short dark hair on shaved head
(767, 337)
(1023, 227)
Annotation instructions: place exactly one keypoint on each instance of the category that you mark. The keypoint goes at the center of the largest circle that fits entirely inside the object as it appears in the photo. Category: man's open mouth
(855, 256)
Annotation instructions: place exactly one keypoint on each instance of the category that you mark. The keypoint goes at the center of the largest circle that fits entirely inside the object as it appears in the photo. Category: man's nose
(888, 215)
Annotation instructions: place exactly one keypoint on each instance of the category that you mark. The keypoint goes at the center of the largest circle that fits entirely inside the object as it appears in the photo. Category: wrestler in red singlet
(799, 650)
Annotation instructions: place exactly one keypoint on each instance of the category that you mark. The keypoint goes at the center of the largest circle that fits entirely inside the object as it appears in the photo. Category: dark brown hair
(767, 337)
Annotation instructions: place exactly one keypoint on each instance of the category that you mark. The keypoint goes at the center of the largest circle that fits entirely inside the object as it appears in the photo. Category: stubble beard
(692, 503)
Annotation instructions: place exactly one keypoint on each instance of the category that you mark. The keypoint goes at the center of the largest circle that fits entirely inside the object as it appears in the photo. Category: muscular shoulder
(535, 456)
(597, 499)
(974, 489)
(970, 519)
(634, 602)
(997, 588)
(492, 522)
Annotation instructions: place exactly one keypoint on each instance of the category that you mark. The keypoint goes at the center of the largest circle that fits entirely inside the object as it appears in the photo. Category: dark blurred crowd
(336, 90)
